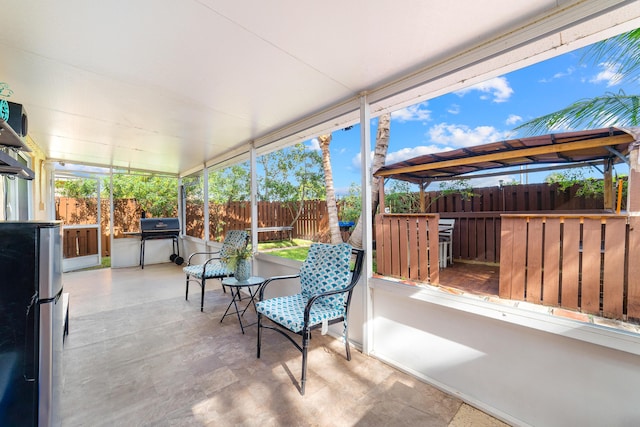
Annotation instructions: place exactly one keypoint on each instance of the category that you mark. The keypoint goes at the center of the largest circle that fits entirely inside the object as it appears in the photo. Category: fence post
(633, 206)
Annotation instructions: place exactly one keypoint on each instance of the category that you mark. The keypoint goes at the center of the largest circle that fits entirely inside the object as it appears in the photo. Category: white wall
(125, 252)
(525, 367)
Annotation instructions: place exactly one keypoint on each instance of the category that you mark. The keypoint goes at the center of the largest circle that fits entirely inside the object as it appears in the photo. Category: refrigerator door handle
(29, 366)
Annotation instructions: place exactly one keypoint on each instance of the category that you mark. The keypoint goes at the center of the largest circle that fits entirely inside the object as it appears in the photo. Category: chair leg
(202, 294)
(259, 335)
(305, 346)
(346, 340)
(186, 294)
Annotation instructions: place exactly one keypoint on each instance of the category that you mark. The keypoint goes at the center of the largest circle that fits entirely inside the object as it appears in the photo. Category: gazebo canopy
(551, 150)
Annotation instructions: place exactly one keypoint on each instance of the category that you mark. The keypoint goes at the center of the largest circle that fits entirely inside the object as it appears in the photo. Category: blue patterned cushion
(214, 269)
(326, 269)
(289, 311)
(234, 239)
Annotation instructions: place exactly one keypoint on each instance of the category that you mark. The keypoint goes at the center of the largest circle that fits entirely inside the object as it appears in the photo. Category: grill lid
(159, 225)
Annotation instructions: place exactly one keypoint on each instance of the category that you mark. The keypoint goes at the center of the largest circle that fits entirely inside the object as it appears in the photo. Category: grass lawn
(296, 249)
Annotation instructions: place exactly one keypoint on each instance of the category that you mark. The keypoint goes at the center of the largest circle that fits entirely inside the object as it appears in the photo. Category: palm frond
(622, 50)
(611, 109)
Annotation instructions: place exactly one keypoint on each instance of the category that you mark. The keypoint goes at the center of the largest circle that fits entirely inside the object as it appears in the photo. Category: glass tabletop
(251, 281)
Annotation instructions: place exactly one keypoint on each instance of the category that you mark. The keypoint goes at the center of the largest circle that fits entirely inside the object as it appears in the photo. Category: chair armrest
(201, 253)
(313, 299)
(273, 279)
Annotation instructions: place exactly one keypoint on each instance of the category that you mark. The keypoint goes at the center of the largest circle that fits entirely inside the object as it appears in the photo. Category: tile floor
(138, 354)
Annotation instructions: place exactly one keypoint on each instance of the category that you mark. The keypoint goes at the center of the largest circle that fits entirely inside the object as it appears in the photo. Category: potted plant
(238, 260)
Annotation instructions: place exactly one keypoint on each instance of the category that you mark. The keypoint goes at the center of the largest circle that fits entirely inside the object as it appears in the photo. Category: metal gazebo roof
(551, 149)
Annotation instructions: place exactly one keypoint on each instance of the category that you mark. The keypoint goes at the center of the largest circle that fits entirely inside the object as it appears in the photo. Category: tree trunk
(334, 228)
(379, 156)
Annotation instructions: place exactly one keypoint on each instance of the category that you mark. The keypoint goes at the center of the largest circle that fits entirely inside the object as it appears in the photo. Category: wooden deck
(478, 279)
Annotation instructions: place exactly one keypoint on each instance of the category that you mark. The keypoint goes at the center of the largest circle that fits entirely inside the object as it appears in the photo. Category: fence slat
(404, 226)
(614, 266)
(414, 258)
(519, 263)
(534, 261)
(633, 308)
(506, 262)
(570, 263)
(551, 273)
(591, 256)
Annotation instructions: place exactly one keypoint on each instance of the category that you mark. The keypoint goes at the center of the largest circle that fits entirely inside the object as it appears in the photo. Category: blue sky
(480, 114)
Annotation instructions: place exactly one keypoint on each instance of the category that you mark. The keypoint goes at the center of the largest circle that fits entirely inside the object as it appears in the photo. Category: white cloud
(314, 144)
(410, 152)
(498, 88)
(454, 109)
(513, 119)
(402, 154)
(609, 74)
(464, 136)
(416, 112)
(560, 74)
(565, 73)
(445, 137)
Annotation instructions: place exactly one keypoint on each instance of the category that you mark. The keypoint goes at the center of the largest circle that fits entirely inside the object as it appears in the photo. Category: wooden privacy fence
(476, 236)
(580, 262)
(311, 224)
(79, 241)
(509, 198)
(407, 246)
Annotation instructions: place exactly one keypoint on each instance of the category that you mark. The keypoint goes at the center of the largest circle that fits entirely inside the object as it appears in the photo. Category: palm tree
(334, 228)
(379, 156)
(610, 109)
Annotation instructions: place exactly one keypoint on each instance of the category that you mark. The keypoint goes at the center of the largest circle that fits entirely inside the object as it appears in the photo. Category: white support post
(253, 159)
(111, 212)
(205, 189)
(367, 238)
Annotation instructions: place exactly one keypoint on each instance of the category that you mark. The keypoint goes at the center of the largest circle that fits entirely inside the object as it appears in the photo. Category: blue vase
(243, 270)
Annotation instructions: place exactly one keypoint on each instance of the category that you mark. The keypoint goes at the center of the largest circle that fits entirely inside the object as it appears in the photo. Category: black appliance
(161, 228)
(31, 323)
(18, 118)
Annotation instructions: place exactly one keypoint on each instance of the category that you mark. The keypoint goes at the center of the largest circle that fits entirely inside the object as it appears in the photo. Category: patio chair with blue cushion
(213, 267)
(327, 283)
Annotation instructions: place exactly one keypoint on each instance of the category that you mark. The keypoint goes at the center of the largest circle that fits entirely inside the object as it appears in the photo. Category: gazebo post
(608, 184)
(633, 188)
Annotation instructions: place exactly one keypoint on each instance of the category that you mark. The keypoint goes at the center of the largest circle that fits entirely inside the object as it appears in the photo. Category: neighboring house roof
(552, 149)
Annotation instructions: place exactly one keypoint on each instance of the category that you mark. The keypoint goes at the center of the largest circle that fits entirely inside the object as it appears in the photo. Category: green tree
(77, 188)
(156, 195)
(293, 174)
(351, 204)
(230, 184)
(400, 198)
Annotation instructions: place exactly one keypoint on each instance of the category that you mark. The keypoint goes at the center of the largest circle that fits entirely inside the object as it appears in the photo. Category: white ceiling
(167, 86)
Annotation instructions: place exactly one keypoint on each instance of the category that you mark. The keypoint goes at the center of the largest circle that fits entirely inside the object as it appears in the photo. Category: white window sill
(526, 315)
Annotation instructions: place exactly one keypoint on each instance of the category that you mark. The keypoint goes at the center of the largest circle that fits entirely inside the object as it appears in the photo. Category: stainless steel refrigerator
(31, 323)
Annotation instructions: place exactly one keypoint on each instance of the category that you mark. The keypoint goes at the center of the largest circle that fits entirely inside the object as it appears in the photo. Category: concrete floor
(138, 354)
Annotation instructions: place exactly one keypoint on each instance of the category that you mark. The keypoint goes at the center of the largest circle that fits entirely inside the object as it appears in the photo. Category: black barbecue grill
(160, 228)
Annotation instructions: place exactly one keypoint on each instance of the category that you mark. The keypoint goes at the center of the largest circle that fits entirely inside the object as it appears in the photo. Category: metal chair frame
(305, 333)
(202, 282)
